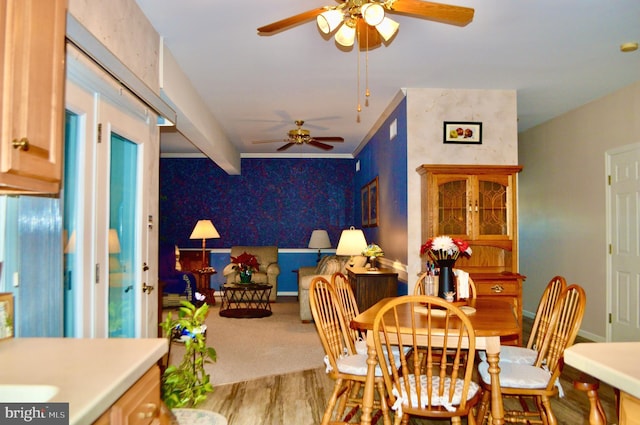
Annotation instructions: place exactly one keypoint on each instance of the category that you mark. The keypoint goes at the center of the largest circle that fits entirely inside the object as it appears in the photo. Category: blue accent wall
(274, 202)
(387, 159)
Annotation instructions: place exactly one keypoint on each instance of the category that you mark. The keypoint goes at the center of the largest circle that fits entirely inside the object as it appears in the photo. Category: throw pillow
(332, 266)
(322, 264)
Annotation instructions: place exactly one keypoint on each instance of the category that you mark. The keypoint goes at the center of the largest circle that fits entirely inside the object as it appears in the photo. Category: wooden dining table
(491, 320)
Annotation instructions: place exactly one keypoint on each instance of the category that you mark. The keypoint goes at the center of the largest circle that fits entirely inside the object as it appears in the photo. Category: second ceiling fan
(299, 136)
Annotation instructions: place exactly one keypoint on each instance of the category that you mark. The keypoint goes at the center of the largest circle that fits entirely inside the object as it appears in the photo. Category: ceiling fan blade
(329, 139)
(320, 145)
(284, 147)
(368, 37)
(289, 22)
(445, 13)
(257, 142)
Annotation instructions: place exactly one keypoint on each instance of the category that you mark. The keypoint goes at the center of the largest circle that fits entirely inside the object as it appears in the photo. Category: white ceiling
(557, 55)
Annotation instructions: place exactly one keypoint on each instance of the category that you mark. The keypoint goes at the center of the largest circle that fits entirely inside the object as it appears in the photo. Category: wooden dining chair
(349, 306)
(539, 381)
(347, 368)
(528, 354)
(420, 385)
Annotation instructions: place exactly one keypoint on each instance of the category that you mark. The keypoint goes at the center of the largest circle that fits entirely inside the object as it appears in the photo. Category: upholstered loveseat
(326, 267)
(268, 271)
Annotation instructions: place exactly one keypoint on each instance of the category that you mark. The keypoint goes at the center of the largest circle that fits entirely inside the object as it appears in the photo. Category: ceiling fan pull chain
(359, 108)
(366, 72)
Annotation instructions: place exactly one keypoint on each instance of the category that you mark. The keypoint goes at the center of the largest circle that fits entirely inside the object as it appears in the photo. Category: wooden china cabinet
(477, 203)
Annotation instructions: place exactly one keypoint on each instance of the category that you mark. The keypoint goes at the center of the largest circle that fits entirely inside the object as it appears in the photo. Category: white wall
(562, 198)
(427, 109)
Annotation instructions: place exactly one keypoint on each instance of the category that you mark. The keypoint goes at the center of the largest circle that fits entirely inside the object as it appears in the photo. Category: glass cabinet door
(491, 207)
(453, 200)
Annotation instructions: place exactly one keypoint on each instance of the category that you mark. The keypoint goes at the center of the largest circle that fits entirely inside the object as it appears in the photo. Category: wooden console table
(370, 286)
(203, 283)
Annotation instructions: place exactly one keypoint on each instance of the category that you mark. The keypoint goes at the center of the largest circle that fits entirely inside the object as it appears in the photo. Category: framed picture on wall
(462, 132)
(364, 200)
(373, 202)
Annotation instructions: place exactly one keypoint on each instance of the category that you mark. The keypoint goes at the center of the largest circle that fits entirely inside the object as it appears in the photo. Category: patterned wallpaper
(273, 202)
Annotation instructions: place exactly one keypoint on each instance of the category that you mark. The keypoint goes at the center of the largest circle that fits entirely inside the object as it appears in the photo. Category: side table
(370, 286)
(245, 300)
(203, 282)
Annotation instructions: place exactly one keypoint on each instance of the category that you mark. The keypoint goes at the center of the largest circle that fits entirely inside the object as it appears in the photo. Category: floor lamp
(204, 230)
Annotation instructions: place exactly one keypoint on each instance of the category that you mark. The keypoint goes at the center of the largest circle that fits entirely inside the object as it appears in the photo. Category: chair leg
(337, 388)
(383, 404)
(483, 406)
(546, 404)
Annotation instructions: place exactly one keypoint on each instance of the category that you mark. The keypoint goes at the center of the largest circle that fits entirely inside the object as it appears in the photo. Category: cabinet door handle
(497, 289)
(150, 411)
(476, 205)
(22, 144)
(470, 208)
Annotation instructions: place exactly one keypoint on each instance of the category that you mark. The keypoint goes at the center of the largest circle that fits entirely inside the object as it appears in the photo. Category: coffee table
(245, 300)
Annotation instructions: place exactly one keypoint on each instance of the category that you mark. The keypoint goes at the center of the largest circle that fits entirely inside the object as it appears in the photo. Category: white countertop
(616, 363)
(91, 373)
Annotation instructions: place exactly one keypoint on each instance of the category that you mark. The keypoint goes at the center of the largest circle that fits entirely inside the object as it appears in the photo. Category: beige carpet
(254, 348)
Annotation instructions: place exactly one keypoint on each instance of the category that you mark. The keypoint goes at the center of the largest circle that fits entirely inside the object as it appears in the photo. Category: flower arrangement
(373, 250)
(445, 248)
(245, 262)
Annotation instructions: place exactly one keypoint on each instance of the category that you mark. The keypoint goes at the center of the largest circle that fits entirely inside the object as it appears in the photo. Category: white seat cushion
(514, 375)
(361, 348)
(403, 398)
(511, 354)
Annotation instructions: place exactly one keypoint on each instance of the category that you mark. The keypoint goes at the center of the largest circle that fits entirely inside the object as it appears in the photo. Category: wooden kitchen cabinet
(32, 56)
(477, 203)
(370, 286)
(140, 405)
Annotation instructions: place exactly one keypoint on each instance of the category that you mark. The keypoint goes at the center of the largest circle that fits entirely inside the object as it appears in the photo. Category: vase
(372, 263)
(446, 278)
(245, 276)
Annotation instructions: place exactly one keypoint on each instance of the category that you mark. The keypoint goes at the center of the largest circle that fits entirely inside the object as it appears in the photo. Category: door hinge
(609, 318)
(99, 132)
(97, 273)
(610, 249)
(609, 179)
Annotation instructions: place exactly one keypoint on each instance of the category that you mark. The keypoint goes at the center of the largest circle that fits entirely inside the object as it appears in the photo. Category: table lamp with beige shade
(352, 242)
(319, 240)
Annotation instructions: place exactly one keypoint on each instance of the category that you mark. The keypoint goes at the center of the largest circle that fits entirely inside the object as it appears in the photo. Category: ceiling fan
(366, 20)
(299, 136)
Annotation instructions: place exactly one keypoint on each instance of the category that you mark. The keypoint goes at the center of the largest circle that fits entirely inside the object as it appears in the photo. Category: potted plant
(245, 264)
(187, 383)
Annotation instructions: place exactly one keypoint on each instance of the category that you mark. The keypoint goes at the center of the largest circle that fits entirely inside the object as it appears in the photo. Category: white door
(623, 167)
(110, 175)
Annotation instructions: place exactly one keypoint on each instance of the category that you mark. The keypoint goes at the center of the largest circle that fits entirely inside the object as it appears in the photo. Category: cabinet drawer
(498, 288)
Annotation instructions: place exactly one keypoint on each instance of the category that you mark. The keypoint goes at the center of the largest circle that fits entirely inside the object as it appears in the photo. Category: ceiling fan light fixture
(387, 28)
(346, 35)
(373, 13)
(330, 20)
